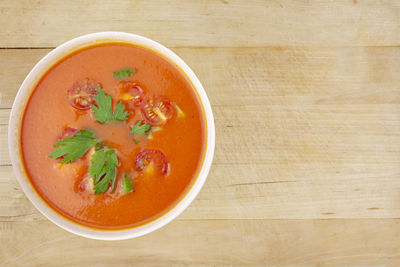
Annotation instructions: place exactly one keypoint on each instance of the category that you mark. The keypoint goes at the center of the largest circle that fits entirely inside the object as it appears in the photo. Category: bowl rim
(15, 122)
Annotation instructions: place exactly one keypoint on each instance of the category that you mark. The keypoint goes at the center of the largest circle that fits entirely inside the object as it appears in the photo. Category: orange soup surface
(140, 154)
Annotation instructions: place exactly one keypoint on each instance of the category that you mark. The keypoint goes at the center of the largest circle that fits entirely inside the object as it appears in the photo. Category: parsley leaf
(74, 147)
(123, 73)
(139, 129)
(103, 169)
(103, 111)
(126, 184)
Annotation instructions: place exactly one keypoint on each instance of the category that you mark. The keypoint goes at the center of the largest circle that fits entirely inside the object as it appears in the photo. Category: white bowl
(14, 135)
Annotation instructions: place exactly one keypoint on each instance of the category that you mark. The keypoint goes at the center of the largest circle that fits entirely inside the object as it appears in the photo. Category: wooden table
(306, 98)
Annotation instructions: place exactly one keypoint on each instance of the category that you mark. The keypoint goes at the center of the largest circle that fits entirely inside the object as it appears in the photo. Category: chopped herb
(140, 129)
(103, 111)
(126, 184)
(104, 162)
(123, 73)
(113, 183)
(74, 147)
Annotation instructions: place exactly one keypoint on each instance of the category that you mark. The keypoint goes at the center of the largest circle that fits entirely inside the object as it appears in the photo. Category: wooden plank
(212, 243)
(4, 156)
(16, 64)
(205, 23)
(301, 133)
(337, 134)
(271, 191)
(4, 116)
(264, 76)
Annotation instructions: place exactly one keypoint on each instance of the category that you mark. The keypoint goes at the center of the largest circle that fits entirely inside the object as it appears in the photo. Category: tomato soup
(113, 136)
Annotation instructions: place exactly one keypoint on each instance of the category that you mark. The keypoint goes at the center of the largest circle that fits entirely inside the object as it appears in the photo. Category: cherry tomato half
(82, 92)
(85, 185)
(131, 92)
(147, 156)
(157, 110)
(67, 133)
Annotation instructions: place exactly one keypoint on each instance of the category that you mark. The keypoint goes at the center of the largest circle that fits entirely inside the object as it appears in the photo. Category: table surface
(306, 98)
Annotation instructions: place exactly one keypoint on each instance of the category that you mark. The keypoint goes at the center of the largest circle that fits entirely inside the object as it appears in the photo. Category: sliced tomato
(67, 133)
(157, 110)
(131, 92)
(85, 185)
(154, 158)
(81, 94)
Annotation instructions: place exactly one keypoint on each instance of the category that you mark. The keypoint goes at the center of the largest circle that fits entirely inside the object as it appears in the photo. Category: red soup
(113, 136)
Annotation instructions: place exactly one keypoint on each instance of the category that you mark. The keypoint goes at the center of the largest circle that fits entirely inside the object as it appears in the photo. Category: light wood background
(306, 97)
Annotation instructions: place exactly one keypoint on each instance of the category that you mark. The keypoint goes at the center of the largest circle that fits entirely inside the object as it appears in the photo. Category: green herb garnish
(140, 129)
(126, 184)
(74, 147)
(123, 73)
(104, 162)
(103, 111)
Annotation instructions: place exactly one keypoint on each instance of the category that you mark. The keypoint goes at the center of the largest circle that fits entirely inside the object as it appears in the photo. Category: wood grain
(212, 243)
(317, 138)
(264, 76)
(227, 23)
(306, 99)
